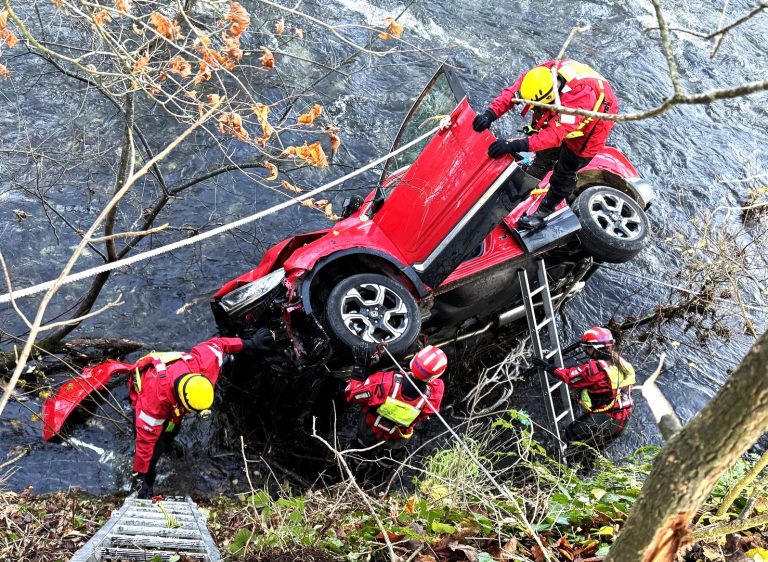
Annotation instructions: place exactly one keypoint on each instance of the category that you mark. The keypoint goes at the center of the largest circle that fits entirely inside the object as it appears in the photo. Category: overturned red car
(433, 250)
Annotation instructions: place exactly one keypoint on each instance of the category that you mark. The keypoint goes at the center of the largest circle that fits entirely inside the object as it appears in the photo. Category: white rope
(211, 233)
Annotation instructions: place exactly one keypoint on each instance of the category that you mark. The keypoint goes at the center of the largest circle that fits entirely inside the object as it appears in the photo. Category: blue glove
(501, 147)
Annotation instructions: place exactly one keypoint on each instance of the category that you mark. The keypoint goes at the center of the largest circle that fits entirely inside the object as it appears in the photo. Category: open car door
(439, 209)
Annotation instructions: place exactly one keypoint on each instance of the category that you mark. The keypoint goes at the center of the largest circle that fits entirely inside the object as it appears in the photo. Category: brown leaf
(262, 111)
(426, 558)
(141, 63)
(280, 27)
(21, 215)
(56, 3)
(298, 32)
(314, 155)
(214, 99)
(6, 35)
(164, 26)
(291, 187)
(394, 30)
(191, 94)
(203, 74)
(239, 18)
(335, 142)
(102, 17)
(393, 537)
(180, 66)
(232, 123)
(272, 170)
(409, 504)
(4, 74)
(123, 7)
(309, 118)
(267, 59)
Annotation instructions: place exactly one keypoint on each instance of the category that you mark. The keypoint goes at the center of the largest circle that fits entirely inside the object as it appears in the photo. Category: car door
(447, 200)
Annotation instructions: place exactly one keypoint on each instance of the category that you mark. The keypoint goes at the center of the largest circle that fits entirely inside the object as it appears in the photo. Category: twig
(14, 459)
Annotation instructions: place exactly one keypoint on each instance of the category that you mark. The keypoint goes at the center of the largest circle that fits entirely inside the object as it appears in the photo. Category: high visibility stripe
(149, 420)
(218, 353)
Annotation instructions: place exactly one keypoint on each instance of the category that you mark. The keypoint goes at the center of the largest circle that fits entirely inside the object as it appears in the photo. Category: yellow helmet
(195, 392)
(537, 85)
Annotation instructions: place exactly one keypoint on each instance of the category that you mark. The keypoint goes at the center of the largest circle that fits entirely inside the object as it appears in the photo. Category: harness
(159, 361)
(400, 413)
(622, 378)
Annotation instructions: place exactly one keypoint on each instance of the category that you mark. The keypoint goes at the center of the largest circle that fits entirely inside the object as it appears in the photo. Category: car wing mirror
(351, 205)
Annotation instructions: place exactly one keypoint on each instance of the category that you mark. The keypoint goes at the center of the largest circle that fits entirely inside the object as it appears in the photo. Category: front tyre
(369, 307)
(614, 227)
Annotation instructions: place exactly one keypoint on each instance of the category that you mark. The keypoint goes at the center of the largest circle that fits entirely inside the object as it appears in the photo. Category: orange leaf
(56, 3)
(164, 26)
(395, 29)
(191, 94)
(335, 142)
(314, 155)
(262, 111)
(123, 6)
(203, 74)
(214, 99)
(141, 63)
(178, 65)
(309, 118)
(6, 35)
(290, 187)
(4, 74)
(102, 17)
(409, 505)
(272, 169)
(239, 18)
(232, 123)
(267, 59)
(280, 27)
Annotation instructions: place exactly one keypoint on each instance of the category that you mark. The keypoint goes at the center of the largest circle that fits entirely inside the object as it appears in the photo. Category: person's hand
(539, 362)
(483, 120)
(261, 341)
(501, 147)
(361, 354)
(140, 486)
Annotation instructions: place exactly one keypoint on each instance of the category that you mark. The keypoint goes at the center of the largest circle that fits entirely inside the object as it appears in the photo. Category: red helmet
(599, 338)
(429, 363)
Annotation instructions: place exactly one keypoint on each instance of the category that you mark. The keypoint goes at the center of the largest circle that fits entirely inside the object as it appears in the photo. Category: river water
(682, 153)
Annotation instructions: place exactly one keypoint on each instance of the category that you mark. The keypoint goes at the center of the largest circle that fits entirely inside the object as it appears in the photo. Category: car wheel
(613, 226)
(369, 307)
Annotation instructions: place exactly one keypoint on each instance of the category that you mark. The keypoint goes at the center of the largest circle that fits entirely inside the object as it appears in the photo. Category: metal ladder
(549, 384)
(141, 531)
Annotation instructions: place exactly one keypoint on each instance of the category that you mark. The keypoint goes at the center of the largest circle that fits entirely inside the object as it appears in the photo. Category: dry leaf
(409, 505)
(291, 187)
(239, 18)
(426, 558)
(191, 94)
(314, 155)
(267, 59)
(272, 170)
(4, 74)
(21, 215)
(280, 27)
(102, 17)
(335, 142)
(262, 111)
(214, 99)
(180, 66)
(203, 74)
(232, 123)
(164, 26)
(394, 30)
(6, 35)
(203, 40)
(309, 118)
(56, 3)
(298, 32)
(123, 7)
(141, 63)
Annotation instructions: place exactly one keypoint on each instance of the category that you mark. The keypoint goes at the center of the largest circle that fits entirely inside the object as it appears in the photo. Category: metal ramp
(142, 530)
(556, 396)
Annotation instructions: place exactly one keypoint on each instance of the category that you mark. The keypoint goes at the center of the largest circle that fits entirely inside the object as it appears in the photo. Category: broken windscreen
(439, 98)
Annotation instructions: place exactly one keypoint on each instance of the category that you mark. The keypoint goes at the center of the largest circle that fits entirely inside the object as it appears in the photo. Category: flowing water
(682, 153)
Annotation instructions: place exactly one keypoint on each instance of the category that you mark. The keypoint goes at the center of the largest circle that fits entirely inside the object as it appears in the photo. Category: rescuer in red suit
(392, 402)
(605, 384)
(165, 387)
(561, 141)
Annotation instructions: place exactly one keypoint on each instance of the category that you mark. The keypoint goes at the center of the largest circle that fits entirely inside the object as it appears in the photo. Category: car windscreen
(439, 98)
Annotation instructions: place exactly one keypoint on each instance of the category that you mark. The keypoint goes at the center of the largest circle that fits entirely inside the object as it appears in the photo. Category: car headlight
(246, 295)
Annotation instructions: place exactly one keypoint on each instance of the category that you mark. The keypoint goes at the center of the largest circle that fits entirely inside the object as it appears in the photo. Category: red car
(433, 249)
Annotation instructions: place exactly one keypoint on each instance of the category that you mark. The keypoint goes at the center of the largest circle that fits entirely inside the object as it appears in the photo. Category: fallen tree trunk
(692, 461)
(79, 351)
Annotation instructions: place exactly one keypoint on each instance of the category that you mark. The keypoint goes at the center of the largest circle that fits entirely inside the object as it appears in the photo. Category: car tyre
(614, 227)
(370, 307)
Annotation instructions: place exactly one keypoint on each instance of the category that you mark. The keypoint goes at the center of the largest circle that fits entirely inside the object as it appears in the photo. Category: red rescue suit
(584, 89)
(373, 393)
(156, 402)
(605, 387)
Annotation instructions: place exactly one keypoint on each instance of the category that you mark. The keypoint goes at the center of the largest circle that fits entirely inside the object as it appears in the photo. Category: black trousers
(563, 180)
(596, 430)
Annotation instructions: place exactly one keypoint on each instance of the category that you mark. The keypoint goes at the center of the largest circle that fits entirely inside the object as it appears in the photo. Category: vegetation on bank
(452, 511)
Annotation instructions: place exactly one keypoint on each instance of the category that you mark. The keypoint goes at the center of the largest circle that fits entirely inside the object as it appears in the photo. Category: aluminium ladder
(557, 410)
(140, 530)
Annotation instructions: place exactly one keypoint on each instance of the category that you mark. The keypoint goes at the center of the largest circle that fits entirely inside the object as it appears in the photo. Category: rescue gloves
(261, 341)
(361, 354)
(501, 147)
(484, 120)
(543, 364)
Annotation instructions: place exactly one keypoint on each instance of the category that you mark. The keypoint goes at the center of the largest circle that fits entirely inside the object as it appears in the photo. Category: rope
(211, 233)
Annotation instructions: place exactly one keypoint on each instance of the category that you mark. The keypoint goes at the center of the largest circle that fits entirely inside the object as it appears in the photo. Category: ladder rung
(536, 291)
(544, 322)
(141, 555)
(555, 386)
(561, 416)
(551, 354)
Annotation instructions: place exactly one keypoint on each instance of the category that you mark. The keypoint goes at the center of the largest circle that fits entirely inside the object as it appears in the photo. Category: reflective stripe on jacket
(584, 88)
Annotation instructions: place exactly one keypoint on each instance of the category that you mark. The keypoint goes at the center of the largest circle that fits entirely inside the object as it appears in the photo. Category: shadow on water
(682, 154)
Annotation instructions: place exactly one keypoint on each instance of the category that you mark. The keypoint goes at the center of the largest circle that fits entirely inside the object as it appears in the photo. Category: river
(683, 153)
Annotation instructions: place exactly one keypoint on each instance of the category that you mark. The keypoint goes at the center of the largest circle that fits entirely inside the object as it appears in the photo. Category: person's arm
(503, 101)
(436, 392)
(576, 377)
(363, 391)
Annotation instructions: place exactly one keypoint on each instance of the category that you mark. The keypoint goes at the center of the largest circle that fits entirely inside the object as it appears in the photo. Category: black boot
(547, 206)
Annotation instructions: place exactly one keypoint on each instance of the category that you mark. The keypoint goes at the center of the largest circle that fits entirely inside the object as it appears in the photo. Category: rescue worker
(165, 387)
(564, 142)
(605, 382)
(392, 402)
